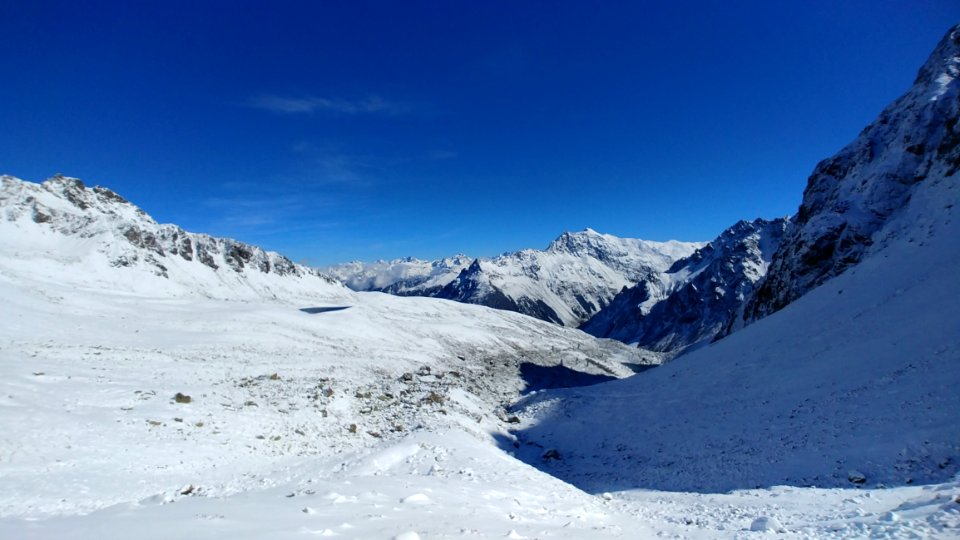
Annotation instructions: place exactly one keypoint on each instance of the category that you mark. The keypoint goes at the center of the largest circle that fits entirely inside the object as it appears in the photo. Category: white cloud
(317, 104)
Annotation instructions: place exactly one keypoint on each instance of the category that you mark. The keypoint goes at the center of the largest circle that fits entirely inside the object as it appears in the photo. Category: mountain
(403, 277)
(693, 300)
(847, 375)
(853, 200)
(572, 279)
(576, 276)
(94, 231)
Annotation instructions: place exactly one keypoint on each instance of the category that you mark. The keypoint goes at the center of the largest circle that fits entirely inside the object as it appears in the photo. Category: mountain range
(142, 365)
(663, 296)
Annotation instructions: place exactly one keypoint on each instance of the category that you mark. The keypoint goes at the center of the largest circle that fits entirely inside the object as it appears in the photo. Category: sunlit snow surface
(94, 443)
(92, 447)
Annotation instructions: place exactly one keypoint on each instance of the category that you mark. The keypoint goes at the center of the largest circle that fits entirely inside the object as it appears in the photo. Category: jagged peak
(573, 242)
(943, 65)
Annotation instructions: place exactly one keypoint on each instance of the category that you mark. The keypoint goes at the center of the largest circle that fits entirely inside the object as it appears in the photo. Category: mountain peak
(853, 198)
(576, 242)
(943, 65)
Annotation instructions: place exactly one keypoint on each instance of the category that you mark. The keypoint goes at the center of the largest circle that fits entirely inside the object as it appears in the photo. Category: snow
(572, 279)
(407, 276)
(855, 381)
(286, 434)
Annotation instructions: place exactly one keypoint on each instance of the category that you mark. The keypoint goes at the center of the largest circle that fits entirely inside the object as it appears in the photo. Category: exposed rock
(851, 196)
(697, 296)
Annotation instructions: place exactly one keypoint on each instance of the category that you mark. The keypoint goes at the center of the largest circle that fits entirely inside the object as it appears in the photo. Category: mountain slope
(572, 279)
(854, 381)
(693, 300)
(852, 197)
(402, 277)
(96, 231)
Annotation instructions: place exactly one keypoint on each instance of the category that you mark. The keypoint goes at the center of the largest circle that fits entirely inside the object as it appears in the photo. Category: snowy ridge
(572, 279)
(858, 375)
(576, 276)
(403, 277)
(851, 198)
(695, 298)
(96, 230)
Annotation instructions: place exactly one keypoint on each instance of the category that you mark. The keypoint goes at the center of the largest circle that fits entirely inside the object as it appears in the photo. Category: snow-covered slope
(576, 276)
(403, 277)
(94, 232)
(693, 300)
(572, 279)
(108, 316)
(852, 197)
(854, 382)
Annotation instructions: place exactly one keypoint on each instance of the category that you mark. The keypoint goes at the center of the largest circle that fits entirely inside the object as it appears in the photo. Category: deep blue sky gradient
(333, 131)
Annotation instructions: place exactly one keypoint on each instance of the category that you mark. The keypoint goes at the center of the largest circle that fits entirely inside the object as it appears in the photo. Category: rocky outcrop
(573, 279)
(693, 300)
(127, 237)
(852, 196)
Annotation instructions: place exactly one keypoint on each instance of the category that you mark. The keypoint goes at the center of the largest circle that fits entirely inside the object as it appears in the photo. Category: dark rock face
(621, 319)
(852, 195)
(698, 294)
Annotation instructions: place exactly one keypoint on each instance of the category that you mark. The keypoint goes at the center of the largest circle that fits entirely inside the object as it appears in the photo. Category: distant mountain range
(693, 300)
(663, 296)
(671, 296)
(573, 279)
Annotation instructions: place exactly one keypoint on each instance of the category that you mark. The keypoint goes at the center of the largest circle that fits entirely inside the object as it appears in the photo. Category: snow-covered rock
(577, 275)
(403, 277)
(94, 231)
(692, 301)
(853, 199)
(766, 524)
(859, 373)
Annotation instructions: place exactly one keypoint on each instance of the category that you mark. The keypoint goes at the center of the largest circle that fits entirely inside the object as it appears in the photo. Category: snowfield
(95, 443)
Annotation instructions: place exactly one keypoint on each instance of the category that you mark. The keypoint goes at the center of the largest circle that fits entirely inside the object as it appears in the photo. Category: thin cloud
(369, 105)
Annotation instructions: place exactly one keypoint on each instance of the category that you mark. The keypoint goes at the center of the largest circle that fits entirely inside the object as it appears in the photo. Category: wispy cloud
(318, 104)
(257, 209)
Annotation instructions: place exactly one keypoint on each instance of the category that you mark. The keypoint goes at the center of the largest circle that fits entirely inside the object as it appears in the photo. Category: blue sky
(333, 131)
